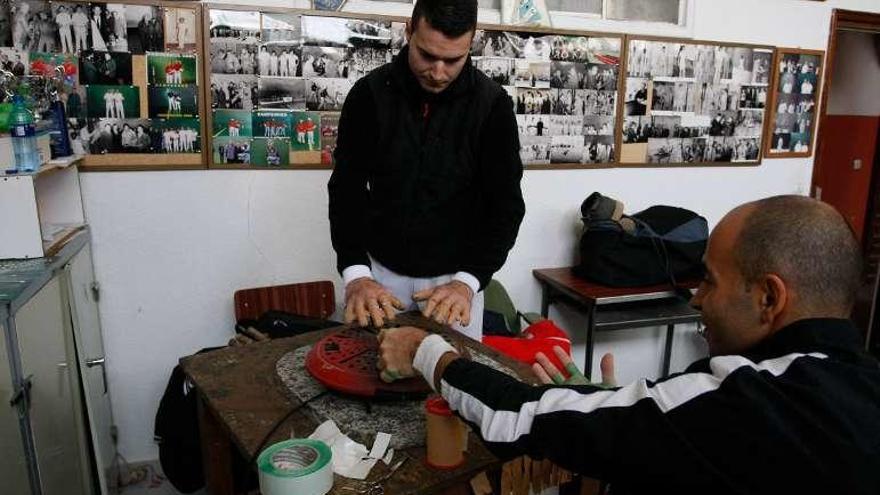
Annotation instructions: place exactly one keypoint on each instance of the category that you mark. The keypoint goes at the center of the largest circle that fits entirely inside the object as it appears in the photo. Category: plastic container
(24, 138)
(446, 435)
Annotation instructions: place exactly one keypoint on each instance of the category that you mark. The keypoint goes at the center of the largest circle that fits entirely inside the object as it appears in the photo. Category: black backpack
(176, 429)
(662, 244)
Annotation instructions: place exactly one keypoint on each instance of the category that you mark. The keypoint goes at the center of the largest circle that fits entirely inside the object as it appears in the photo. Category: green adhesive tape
(300, 466)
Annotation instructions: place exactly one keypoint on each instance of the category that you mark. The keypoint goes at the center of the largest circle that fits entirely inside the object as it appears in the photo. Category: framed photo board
(692, 102)
(793, 107)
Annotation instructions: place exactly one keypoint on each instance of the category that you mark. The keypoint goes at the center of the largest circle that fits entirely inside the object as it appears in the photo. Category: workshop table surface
(240, 388)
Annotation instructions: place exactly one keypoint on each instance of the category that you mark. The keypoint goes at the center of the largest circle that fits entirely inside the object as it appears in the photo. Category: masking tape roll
(299, 466)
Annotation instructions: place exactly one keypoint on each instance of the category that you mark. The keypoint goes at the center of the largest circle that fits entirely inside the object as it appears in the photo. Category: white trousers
(403, 287)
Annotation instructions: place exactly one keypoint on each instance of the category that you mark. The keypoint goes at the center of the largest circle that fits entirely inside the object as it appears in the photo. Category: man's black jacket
(426, 184)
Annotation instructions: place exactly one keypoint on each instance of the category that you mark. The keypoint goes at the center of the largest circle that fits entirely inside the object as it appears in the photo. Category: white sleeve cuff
(355, 272)
(468, 279)
(428, 354)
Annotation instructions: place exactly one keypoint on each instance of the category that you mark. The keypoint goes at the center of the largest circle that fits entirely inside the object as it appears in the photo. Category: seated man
(787, 401)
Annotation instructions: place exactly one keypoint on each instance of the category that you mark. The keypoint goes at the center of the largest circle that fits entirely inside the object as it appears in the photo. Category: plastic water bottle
(24, 138)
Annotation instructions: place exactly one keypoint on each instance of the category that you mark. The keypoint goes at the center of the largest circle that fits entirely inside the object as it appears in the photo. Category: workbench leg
(667, 352)
(216, 454)
(591, 331)
(545, 301)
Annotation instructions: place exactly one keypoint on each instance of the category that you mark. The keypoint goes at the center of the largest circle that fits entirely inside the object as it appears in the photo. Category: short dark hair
(809, 245)
(451, 17)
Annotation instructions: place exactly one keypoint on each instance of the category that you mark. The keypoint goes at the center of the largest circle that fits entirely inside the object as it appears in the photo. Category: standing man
(64, 21)
(425, 199)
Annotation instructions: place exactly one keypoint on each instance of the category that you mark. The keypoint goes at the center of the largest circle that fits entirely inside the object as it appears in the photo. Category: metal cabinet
(55, 418)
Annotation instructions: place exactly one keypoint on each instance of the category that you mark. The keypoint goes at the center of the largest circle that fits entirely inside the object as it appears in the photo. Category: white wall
(856, 76)
(171, 247)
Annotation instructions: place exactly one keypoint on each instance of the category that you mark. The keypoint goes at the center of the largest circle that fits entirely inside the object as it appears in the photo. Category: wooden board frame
(113, 162)
(206, 76)
(622, 95)
(818, 97)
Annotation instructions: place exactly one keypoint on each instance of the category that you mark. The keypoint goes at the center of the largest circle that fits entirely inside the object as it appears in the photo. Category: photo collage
(797, 86)
(564, 92)
(278, 83)
(101, 48)
(694, 103)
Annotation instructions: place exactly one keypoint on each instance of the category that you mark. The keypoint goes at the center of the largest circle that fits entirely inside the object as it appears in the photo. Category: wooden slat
(314, 299)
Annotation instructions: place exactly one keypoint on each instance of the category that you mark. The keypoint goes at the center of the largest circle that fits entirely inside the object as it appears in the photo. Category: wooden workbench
(241, 398)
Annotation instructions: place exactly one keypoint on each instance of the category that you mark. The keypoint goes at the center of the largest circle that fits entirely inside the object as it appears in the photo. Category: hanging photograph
(113, 102)
(75, 102)
(119, 136)
(271, 124)
(792, 112)
(329, 134)
(236, 92)
(270, 152)
(179, 135)
(398, 36)
(180, 30)
(6, 22)
(282, 92)
(231, 150)
(173, 101)
(15, 61)
(233, 58)
(33, 26)
(241, 26)
(232, 123)
(319, 61)
(282, 28)
(358, 62)
(63, 14)
(344, 32)
(492, 43)
(332, 5)
(536, 46)
(47, 65)
(499, 69)
(108, 30)
(280, 60)
(144, 26)
(171, 69)
(326, 94)
(306, 131)
(535, 150)
(693, 102)
(105, 68)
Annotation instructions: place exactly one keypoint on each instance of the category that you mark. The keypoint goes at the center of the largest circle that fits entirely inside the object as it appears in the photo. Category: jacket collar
(825, 335)
(402, 75)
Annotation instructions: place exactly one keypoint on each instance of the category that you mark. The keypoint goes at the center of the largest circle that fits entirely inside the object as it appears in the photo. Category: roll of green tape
(296, 467)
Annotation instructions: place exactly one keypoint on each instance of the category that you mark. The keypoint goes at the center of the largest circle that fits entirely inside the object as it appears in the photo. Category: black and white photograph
(324, 94)
(62, 14)
(664, 150)
(752, 96)
(718, 98)
(173, 101)
(531, 74)
(105, 68)
(15, 61)
(567, 149)
(723, 123)
(564, 101)
(533, 125)
(241, 26)
(723, 64)
(746, 149)
(359, 62)
(320, 61)
(341, 32)
(108, 29)
(641, 129)
(33, 26)
(282, 92)
(281, 28)
(398, 36)
(534, 150)
(742, 65)
(601, 77)
(533, 101)
(598, 149)
(491, 43)
(570, 75)
(749, 123)
(6, 23)
(234, 92)
(596, 102)
(598, 125)
(762, 66)
(566, 125)
(498, 69)
(638, 62)
(145, 30)
(119, 136)
(279, 60)
(570, 49)
(78, 132)
(636, 96)
(180, 30)
(233, 58)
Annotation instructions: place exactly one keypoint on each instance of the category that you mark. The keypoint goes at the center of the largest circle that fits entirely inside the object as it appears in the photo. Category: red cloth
(538, 337)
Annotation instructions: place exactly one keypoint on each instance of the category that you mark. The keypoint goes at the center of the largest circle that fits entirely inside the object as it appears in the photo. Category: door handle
(91, 363)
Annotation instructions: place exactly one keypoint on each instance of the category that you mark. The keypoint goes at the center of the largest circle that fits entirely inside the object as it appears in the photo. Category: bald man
(787, 401)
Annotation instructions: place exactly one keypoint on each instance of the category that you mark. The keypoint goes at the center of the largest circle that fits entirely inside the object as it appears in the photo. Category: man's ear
(774, 298)
(409, 30)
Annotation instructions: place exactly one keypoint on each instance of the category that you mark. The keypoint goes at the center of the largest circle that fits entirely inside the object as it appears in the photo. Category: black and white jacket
(798, 414)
